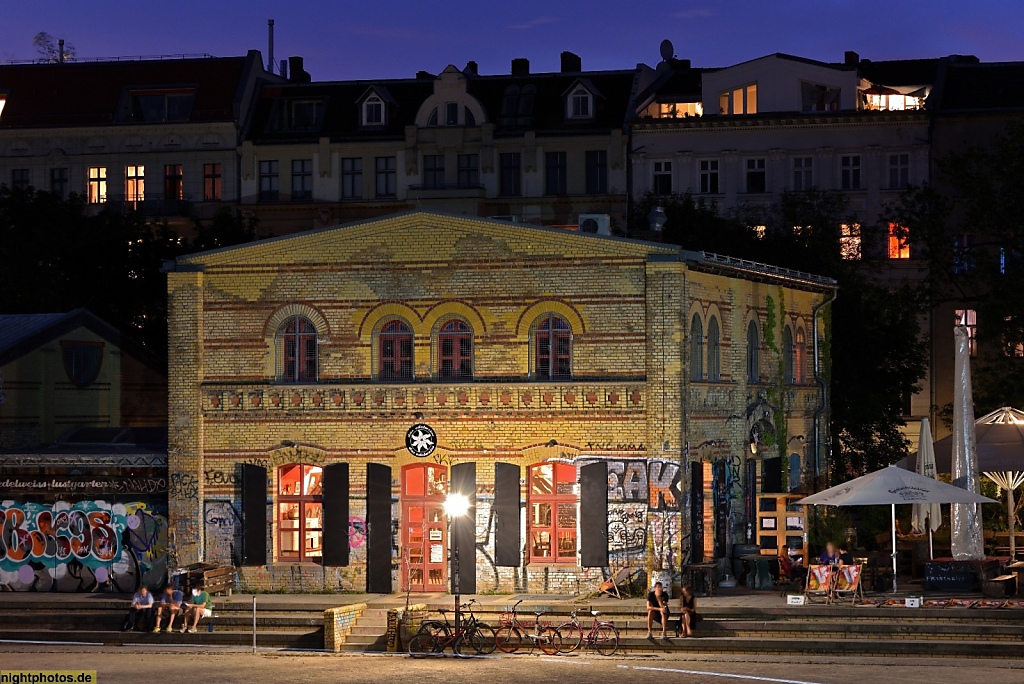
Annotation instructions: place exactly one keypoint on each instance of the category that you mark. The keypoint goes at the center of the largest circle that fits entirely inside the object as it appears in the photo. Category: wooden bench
(216, 579)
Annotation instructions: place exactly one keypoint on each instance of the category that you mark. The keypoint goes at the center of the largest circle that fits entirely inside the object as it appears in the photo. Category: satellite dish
(667, 51)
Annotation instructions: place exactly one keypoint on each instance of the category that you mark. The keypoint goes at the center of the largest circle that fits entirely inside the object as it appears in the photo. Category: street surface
(131, 665)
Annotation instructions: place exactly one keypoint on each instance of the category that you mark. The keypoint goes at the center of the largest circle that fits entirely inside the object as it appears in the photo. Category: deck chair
(847, 584)
(617, 584)
(819, 583)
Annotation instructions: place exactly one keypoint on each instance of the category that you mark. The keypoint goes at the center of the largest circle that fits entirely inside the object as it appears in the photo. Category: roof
(900, 72)
(23, 333)
(341, 117)
(90, 93)
(978, 87)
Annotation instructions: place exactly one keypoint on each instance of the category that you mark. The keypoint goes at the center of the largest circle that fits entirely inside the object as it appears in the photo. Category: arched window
(788, 355)
(554, 509)
(300, 512)
(696, 349)
(394, 343)
(714, 351)
(553, 359)
(753, 349)
(455, 351)
(800, 360)
(297, 350)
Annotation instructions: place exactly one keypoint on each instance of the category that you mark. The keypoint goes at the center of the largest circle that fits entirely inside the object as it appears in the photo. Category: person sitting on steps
(657, 606)
(171, 601)
(142, 604)
(199, 606)
(688, 617)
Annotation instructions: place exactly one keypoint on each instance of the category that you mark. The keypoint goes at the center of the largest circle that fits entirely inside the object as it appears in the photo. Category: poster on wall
(436, 553)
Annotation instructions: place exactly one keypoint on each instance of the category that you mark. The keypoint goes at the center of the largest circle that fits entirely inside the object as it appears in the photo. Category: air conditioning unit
(600, 224)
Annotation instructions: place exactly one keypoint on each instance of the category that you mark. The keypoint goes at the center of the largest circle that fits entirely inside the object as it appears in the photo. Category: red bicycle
(603, 636)
(509, 637)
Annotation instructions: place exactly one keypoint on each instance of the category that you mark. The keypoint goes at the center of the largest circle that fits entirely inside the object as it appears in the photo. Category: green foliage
(827, 524)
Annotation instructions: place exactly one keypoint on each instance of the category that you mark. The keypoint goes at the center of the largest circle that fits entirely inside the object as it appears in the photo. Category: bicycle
(434, 636)
(479, 635)
(603, 636)
(509, 636)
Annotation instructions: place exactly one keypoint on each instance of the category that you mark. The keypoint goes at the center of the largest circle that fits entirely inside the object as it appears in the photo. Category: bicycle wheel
(572, 637)
(549, 640)
(422, 645)
(606, 640)
(487, 638)
(435, 627)
(508, 639)
(471, 643)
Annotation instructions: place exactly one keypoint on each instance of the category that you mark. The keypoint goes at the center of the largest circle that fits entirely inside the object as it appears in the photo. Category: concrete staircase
(368, 632)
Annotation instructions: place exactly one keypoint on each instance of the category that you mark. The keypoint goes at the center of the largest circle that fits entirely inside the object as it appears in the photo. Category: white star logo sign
(421, 440)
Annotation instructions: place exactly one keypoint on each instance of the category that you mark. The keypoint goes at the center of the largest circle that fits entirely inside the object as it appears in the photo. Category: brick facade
(630, 400)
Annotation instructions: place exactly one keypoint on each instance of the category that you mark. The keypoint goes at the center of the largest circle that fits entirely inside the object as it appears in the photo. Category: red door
(424, 528)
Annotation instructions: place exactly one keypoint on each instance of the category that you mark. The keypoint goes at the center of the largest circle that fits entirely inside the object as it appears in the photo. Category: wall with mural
(82, 546)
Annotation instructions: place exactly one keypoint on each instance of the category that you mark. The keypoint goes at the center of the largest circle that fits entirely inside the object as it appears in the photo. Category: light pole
(455, 506)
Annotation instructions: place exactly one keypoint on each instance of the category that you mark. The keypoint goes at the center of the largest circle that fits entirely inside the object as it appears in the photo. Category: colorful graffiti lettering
(356, 532)
(653, 482)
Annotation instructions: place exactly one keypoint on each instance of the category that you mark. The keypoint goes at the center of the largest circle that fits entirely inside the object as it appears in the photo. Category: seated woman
(792, 568)
(688, 617)
(830, 556)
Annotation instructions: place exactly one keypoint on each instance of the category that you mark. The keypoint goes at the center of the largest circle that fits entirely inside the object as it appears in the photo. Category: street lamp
(455, 506)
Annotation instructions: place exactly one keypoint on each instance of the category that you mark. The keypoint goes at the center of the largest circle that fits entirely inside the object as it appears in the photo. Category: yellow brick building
(328, 389)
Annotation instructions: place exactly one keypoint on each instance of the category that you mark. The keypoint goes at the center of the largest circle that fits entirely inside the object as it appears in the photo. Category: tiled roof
(88, 93)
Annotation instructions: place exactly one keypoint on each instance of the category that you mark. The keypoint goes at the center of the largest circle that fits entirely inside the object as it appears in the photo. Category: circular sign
(421, 440)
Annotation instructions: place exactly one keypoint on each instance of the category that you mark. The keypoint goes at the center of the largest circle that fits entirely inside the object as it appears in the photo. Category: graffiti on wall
(653, 482)
(84, 546)
(223, 532)
(627, 529)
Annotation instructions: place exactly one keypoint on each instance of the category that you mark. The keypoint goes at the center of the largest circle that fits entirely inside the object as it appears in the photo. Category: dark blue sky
(387, 38)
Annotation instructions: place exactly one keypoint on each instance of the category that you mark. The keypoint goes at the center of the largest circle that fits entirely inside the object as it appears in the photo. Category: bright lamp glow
(456, 505)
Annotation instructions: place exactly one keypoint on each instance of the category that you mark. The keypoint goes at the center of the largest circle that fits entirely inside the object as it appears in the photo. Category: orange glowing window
(899, 242)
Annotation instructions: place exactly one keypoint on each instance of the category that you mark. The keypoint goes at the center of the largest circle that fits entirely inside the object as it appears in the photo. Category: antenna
(270, 45)
(667, 51)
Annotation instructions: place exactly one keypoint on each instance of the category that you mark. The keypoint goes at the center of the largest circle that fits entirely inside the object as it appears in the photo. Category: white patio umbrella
(892, 485)
(930, 512)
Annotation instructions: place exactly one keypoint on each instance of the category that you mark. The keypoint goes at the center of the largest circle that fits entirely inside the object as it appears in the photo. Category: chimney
(299, 74)
(284, 68)
(571, 63)
(270, 46)
(471, 69)
(851, 58)
(60, 51)
(520, 66)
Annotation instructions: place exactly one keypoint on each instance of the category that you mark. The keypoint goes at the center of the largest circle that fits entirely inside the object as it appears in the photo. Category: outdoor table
(759, 571)
(708, 570)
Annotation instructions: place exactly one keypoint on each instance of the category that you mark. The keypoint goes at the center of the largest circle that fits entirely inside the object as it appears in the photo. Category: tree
(49, 49)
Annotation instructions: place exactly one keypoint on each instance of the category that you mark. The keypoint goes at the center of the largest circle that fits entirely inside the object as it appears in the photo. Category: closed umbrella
(966, 534)
(929, 514)
(890, 486)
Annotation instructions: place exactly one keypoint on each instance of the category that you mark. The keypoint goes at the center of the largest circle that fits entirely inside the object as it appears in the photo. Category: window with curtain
(714, 345)
(696, 349)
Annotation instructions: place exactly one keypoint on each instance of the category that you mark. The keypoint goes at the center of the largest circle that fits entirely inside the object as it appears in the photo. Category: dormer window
(580, 104)
(373, 111)
(815, 97)
(162, 104)
(738, 100)
(448, 115)
(306, 115)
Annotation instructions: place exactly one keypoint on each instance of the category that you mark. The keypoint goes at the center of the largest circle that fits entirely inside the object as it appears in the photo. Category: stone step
(222, 637)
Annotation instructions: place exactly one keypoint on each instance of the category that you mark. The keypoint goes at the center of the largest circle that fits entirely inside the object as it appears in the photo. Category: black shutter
(507, 527)
(336, 514)
(378, 528)
(464, 530)
(254, 515)
(594, 515)
(771, 475)
(749, 491)
(697, 512)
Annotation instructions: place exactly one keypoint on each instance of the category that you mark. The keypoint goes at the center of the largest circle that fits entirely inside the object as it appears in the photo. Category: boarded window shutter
(697, 512)
(464, 529)
(507, 528)
(336, 514)
(378, 528)
(254, 515)
(771, 475)
(594, 515)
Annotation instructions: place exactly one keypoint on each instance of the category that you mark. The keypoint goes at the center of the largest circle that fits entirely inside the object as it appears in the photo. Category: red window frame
(395, 349)
(554, 348)
(455, 351)
(553, 510)
(298, 339)
(300, 503)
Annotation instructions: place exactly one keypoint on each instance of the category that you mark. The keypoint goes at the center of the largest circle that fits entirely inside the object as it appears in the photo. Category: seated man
(142, 606)
(845, 557)
(657, 609)
(199, 606)
(830, 556)
(792, 568)
(171, 601)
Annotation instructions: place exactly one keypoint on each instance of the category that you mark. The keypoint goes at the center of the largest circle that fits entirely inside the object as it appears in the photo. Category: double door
(424, 527)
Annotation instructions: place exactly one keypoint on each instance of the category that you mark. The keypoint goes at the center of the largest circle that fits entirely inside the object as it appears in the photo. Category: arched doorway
(424, 528)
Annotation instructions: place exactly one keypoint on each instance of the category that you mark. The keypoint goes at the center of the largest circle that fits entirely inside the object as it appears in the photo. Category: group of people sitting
(793, 569)
(173, 603)
(658, 611)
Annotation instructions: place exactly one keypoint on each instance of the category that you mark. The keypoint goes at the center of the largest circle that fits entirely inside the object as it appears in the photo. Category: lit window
(968, 318)
(97, 184)
(709, 176)
(300, 512)
(850, 167)
(849, 241)
(757, 179)
(882, 98)
(212, 182)
(554, 509)
(662, 181)
(134, 184)
(580, 104)
(173, 189)
(899, 170)
(373, 111)
(759, 231)
(679, 110)
(739, 100)
(553, 348)
(899, 242)
(3, 101)
(803, 173)
(297, 350)
(455, 351)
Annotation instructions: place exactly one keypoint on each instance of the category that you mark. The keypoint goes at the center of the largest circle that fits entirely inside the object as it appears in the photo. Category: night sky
(385, 39)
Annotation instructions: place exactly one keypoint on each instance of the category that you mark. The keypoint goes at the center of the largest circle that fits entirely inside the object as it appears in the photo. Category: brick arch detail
(555, 306)
(303, 309)
(457, 308)
(386, 311)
